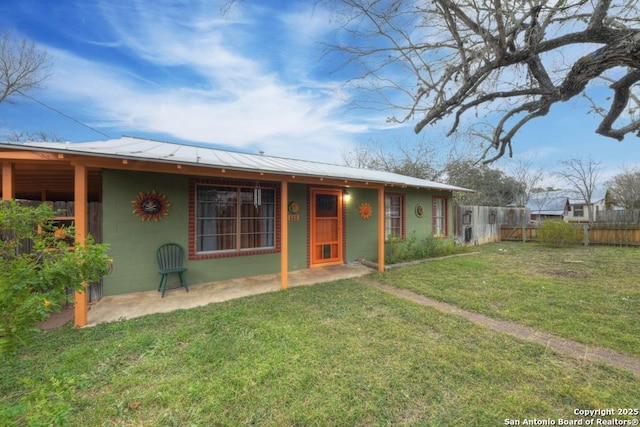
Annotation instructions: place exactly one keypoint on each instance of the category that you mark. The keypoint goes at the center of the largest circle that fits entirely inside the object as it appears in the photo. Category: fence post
(585, 229)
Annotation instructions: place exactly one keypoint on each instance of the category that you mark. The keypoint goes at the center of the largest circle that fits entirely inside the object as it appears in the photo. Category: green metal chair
(170, 260)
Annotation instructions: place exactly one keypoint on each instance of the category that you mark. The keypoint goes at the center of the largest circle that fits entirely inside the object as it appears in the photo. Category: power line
(63, 114)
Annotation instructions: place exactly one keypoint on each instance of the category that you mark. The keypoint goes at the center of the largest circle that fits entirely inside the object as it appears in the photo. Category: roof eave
(68, 148)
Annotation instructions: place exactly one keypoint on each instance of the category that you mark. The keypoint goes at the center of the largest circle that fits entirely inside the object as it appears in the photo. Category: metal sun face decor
(365, 210)
(150, 205)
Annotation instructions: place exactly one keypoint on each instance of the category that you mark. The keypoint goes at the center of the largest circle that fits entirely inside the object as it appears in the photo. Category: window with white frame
(439, 217)
(234, 218)
(393, 216)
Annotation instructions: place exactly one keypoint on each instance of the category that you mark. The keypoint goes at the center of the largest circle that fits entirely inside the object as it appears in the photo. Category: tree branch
(599, 13)
(506, 56)
(622, 90)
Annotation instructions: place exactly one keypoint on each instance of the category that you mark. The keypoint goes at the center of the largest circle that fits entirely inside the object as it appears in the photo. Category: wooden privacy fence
(477, 225)
(515, 233)
(612, 234)
(627, 216)
(94, 216)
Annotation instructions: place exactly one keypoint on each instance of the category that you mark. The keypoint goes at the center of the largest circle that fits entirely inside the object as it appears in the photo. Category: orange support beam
(284, 234)
(81, 225)
(381, 228)
(31, 155)
(8, 181)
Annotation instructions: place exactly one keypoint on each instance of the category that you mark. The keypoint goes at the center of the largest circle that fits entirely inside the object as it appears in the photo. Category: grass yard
(343, 354)
(587, 294)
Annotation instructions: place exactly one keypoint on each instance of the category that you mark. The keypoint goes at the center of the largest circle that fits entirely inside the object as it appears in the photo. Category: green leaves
(413, 248)
(37, 267)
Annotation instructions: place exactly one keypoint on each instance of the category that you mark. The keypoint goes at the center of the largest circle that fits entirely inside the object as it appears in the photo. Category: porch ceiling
(51, 181)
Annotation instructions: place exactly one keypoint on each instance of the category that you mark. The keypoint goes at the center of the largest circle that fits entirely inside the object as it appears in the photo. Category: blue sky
(253, 79)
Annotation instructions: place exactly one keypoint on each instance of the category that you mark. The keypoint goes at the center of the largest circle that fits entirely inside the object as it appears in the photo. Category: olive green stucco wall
(422, 226)
(297, 228)
(133, 242)
(362, 234)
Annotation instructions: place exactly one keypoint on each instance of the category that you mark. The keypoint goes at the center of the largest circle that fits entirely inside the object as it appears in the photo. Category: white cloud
(229, 99)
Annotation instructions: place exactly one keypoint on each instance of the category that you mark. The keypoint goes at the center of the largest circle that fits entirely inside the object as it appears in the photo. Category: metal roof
(167, 152)
(556, 200)
(548, 203)
(597, 196)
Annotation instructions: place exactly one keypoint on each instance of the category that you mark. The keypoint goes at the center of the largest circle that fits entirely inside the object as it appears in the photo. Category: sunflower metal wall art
(151, 205)
(365, 210)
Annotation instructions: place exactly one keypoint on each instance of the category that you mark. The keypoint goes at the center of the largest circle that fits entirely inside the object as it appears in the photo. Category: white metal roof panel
(150, 150)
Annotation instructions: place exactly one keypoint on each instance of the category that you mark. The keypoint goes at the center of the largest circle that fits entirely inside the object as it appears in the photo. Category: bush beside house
(37, 267)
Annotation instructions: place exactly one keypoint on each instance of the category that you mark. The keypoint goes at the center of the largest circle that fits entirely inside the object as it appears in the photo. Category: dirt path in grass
(572, 348)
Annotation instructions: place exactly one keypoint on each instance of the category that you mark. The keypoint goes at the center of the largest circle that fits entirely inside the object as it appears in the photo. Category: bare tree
(527, 178)
(508, 61)
(412, 160)
(422, 159)
(625, 188)
(24, 136)
(582, 176)
(22, 66)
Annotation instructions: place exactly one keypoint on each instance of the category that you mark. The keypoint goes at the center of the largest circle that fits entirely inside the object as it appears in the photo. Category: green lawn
(336, 354)
(587, 294)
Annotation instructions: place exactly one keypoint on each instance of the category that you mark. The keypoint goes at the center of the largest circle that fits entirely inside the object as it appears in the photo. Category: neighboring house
(548, 205)
(563, 205)
(580, 208)
(235, 214)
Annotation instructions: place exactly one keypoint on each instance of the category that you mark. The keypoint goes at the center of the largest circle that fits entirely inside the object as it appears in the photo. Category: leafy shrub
(37, 267)
(412, 248)
(396, 250)
(558, 234)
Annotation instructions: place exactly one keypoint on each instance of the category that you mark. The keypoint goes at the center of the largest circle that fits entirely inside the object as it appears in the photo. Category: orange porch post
(381, 228)
(284, 234)
(8, 181)
(80, 219)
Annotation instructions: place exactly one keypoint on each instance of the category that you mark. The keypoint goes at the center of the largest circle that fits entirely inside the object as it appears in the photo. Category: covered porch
(129, 306)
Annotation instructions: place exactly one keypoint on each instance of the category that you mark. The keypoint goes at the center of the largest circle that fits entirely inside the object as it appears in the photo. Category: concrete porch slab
(129, 306)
